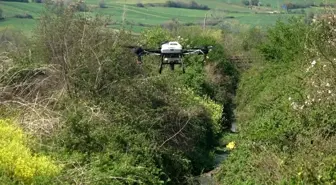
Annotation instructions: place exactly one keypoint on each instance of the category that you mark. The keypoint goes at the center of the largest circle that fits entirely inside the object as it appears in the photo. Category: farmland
(137, 18)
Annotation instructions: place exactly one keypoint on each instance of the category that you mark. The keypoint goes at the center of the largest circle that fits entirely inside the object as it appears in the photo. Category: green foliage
(285, 41)
(1, 14)
(154, 37)
(284, 114)
(119, 122)
(190, 5)
(250, 2)
(23, 1)
(143, 134)
(17, 161)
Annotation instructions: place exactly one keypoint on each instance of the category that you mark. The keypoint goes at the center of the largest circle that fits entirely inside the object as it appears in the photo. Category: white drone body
(171, 52)
(171, 47)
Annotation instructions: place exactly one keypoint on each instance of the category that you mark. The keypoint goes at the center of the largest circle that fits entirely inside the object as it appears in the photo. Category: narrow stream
(208, 177)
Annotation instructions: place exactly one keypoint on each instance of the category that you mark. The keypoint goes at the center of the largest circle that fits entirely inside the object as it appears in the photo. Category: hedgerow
(284, 114)
(108, 119)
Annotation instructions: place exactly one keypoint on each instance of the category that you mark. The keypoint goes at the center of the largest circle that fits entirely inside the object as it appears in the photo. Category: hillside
(220, 14)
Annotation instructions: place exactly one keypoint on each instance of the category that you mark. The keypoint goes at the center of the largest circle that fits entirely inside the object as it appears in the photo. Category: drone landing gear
(172, 66)
(164, 61)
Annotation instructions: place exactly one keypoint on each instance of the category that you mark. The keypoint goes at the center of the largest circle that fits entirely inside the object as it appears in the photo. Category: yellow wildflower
(231, 145)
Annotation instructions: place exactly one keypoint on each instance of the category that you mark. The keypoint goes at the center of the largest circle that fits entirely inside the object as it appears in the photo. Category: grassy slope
(148, 15)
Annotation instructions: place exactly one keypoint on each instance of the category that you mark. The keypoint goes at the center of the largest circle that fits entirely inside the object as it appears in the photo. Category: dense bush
(23, 16)
(1, 14)
(290, 6)
(23, 1)
(17, 161)
(327, 5)
(285, 42)
(250, 2)
(140, 5)
(102, 4)
(191, 5)
(119, 122)
(286, 123)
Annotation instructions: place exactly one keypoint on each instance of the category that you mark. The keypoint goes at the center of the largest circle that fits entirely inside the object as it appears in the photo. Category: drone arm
(141, 52)
(203, 52)
(152, 52)
(197, 51)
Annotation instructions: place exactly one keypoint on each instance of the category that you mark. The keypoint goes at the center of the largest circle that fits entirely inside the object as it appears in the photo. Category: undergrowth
(285, 110)
(18, 164)
(78, 90)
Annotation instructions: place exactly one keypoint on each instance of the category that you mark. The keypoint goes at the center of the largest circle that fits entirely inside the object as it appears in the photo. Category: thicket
(108, 120)
(250, 2)
(1, 14)
(176, 4)
(330, 5)
(102, 4)
(23, 1)
(290, 6)
(190, 5)
(285, 110)
(17, 162)
(23, 16)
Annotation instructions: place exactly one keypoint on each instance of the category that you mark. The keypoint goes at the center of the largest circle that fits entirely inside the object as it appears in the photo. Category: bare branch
(178, 132)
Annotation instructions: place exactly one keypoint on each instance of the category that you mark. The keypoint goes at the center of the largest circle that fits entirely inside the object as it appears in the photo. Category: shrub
(247, 2)
(102, 4)
(140, 5)
(290, 6)
(17, 161)
(1, 14)
(127, 123)
(191, 5)
(285, 41)
(23, 1)
(23, 16)
(287, 127)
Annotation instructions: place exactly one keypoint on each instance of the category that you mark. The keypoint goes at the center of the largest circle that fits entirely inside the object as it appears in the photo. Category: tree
(1, 17)
(102, 4)
(250, 2)
(245, 2)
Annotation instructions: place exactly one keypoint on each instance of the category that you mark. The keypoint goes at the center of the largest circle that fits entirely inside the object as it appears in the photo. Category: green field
(139, 18)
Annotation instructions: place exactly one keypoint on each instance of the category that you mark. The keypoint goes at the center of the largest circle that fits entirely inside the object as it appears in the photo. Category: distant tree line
(22, 1)
(1, 16)
(190, 5)
(327, 5)
(177, 4)
(250, 2)
(23, 16)
(290, 6)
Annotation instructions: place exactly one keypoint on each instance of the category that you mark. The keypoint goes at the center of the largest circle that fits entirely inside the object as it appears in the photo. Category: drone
(171, 53)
